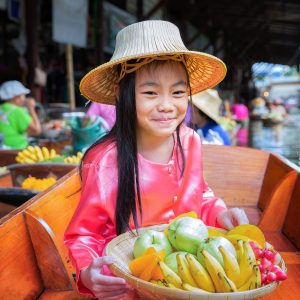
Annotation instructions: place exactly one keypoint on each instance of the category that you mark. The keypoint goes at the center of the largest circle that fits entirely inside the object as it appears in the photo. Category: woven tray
(121, 248)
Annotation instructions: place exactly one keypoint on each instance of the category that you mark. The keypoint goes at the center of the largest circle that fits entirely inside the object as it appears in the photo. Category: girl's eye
(180, 93)
(149, 93)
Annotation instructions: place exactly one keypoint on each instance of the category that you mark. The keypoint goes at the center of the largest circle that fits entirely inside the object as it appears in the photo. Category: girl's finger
(225, 219)
(110, 280)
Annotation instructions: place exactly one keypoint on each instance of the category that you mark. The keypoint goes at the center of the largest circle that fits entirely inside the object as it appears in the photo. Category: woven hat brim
(205, 71)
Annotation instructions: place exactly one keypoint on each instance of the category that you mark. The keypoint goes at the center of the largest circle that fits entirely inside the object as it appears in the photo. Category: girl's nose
(165, 104)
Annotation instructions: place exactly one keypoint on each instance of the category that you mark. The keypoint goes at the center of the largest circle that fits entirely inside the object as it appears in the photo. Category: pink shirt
(107, 112)
(164, 194)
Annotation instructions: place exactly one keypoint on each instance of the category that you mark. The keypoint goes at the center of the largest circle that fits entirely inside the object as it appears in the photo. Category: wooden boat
(34, 262)
(8, 157)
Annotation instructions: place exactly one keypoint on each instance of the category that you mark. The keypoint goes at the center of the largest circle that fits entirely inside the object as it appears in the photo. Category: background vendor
(16, 122)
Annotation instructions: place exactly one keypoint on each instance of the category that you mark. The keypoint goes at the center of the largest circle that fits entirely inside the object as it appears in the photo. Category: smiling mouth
(164, 120)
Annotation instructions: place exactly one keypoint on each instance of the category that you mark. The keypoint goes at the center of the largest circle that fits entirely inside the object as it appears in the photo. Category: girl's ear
(117, 92)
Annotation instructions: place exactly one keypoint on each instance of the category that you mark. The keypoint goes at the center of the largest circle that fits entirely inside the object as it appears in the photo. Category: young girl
(148, 168)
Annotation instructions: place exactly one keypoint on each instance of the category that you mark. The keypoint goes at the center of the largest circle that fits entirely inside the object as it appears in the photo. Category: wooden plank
(276, 170)
(291, 227)
(275, 210)
(53, 272)
(235, 175)
(52, 212)
(19, 276)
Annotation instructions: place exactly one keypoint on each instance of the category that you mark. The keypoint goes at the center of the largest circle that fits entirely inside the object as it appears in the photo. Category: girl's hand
(232, 217)
(102, 286)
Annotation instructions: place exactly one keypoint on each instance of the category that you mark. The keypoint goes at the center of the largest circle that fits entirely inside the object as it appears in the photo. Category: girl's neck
(156, 150)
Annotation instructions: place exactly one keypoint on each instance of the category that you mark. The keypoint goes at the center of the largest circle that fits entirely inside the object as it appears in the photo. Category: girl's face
(161, 98)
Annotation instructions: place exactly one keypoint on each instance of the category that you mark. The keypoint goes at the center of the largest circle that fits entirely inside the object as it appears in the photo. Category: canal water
(283, 140)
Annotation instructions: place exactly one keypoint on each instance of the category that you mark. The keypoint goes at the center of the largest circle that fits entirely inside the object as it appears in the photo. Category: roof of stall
(253, 31)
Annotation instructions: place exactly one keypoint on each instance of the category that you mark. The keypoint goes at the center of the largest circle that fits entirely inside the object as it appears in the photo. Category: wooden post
(32, 24)
(70, 75)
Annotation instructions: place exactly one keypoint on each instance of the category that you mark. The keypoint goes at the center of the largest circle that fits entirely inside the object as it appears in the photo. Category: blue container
(83, 137)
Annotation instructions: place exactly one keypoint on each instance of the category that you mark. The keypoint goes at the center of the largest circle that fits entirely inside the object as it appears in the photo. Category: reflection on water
(283, 140)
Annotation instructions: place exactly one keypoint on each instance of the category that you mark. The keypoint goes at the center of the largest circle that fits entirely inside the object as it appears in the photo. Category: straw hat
(208, 102)
(11, 89)
(147, 41)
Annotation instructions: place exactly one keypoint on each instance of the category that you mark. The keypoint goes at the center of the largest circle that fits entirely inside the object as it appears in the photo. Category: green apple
(151, 238)
(171, 261)
(212, 245)
(186, 234)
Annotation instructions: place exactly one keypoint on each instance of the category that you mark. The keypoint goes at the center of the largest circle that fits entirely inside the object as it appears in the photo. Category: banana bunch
(74, 159)
(240, 274)
(192, 276)
(33, 154)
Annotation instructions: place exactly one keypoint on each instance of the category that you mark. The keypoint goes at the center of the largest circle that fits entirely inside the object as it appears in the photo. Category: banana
(170, 276)
(172, 286)
(199, 274)
(250, 252)
(213, 267)
(246, 264)
(253, 282)
(183, 270)
(29, 154)
(46, 153)
(31, 149)
(160, 282)
(39, 153)
(52, 153)
(193, 289)
(231, 266)
(240, 249)
(227, 285)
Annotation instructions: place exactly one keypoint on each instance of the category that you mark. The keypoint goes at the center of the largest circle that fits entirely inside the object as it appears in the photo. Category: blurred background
(49, 46)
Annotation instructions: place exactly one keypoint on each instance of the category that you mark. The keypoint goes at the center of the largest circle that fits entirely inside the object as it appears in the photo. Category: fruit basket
(121, 248)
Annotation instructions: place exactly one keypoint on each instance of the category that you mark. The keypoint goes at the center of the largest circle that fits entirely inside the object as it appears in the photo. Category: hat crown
(208, 102)
(148, 37)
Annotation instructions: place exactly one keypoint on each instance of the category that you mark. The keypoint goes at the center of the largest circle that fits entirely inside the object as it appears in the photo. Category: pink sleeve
(211, 207)
(83, 236)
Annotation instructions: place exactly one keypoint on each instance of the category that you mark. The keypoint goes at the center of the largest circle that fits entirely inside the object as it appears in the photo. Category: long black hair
(123, 133)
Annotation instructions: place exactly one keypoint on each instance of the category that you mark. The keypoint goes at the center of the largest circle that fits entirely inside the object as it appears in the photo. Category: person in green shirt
(16, 122)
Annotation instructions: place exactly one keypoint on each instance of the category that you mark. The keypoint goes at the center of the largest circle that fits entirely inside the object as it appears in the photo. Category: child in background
(148, 168)
(206, 117)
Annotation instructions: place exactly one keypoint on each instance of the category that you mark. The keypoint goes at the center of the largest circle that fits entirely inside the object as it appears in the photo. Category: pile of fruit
(74, 159)
(190, 256)
(38, 184)
(35, 154)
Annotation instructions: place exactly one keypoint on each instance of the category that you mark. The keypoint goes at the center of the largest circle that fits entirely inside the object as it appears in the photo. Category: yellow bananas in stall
(74, 159)
(33, 154)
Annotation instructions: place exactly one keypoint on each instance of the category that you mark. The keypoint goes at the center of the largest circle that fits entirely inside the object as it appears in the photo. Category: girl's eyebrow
(153, 83)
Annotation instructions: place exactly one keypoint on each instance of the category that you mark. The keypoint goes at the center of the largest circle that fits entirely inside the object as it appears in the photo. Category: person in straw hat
(205, 117)
(15, 120)
(147, 169)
